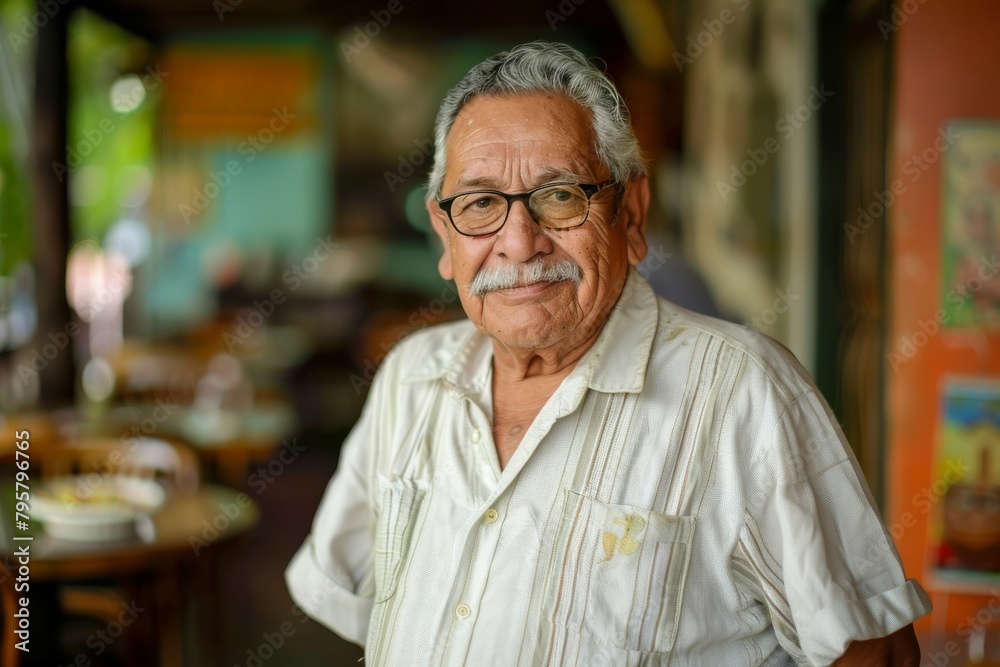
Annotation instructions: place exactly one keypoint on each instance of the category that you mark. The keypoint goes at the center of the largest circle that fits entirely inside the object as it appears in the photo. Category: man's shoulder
(427, 352)
(449, 334)
(682, 327)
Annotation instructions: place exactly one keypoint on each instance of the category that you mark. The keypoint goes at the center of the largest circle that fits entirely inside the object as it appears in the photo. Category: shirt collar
(615, 363)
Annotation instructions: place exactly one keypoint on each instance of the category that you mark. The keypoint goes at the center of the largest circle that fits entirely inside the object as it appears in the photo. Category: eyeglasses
(553, 206)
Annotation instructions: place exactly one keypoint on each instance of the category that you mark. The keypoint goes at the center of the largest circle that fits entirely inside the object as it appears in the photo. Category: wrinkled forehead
(539, 131)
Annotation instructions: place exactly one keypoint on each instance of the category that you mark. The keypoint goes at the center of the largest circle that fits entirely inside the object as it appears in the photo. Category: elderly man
(582, 473)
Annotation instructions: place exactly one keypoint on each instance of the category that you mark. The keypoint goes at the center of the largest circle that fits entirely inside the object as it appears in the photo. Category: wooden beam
(51, 198)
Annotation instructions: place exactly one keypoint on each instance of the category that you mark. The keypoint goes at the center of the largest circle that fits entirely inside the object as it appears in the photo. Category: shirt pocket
(617, 575)
(400, 502)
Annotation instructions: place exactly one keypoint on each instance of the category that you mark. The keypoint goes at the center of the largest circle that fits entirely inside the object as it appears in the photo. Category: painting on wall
(971, 221)
(965, 487)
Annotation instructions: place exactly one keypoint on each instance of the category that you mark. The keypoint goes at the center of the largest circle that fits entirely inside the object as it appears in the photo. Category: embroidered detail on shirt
(672, 334)
(626, 544)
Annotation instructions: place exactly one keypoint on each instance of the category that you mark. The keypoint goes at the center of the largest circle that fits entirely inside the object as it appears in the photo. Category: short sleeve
(329, 576)
(828, 569)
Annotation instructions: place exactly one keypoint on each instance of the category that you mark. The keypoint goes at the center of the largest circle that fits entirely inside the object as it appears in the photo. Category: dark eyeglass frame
(589, 189)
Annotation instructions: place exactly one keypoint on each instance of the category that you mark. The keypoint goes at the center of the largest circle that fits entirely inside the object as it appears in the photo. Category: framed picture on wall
(970, 173)
(964, 493)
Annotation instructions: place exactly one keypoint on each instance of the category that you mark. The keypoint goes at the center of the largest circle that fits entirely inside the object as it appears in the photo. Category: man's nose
(521, 238)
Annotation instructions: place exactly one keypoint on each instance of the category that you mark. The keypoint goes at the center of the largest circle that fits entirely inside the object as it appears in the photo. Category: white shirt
(685, 495)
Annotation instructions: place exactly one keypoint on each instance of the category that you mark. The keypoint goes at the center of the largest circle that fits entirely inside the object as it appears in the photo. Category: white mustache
(505, 277)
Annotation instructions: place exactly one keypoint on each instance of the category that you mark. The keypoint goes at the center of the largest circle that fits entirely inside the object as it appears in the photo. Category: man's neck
(523, 380)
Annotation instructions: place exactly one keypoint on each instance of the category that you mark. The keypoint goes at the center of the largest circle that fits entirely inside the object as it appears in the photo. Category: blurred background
(212, 230)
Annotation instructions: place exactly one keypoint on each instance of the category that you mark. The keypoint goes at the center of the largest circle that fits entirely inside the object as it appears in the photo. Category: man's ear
(439, 222)
(632, 216)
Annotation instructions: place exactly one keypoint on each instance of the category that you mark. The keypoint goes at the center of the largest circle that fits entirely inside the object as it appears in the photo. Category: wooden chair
(9, 655)
(171, 463)
(145, 372)
(46, 430)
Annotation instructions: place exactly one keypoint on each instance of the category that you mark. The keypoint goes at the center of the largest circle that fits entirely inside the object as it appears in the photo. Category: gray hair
(546, 67)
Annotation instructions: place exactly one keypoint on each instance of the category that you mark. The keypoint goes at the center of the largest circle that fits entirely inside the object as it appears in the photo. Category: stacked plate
(95, 507)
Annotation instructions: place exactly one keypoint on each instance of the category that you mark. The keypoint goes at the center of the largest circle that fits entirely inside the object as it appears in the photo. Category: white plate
(94, 507)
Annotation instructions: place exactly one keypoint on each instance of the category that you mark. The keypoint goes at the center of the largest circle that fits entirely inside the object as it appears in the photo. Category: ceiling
(159, 20)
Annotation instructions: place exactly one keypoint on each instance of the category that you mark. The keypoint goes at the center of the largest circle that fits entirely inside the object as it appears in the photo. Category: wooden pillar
(51, 206)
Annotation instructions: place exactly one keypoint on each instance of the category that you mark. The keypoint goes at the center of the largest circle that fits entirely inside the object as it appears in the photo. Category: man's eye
(557, 196)
(476, 204)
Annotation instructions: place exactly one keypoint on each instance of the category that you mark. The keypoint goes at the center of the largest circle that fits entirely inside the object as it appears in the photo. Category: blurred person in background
(583, 473)
(665, 267)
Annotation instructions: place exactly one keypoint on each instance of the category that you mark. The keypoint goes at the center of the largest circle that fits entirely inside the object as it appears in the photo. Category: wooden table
(186, 528)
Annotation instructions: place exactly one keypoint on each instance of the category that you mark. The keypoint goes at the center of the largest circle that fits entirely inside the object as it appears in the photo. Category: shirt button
(463, 611)
(492, 515)
(475, 435)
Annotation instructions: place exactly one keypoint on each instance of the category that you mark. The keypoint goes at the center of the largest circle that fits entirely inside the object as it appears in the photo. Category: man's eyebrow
(547, 175)
(550, 174)
(476, 182)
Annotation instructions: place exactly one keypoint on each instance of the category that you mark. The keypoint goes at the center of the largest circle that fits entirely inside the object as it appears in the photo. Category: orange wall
(945, 67)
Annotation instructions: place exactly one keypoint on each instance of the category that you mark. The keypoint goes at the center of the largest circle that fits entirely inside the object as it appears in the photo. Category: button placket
(479, 436)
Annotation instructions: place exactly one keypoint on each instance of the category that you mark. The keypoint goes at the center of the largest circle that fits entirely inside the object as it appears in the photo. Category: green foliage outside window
(16, 59)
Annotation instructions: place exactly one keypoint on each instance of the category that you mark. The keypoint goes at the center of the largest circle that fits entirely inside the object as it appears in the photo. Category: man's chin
(522, 340)
(532, 333)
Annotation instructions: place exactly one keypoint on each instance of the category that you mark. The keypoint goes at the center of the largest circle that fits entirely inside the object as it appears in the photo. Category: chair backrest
(9, 654)
(168, 461)
(45, 429)
(145, 372)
